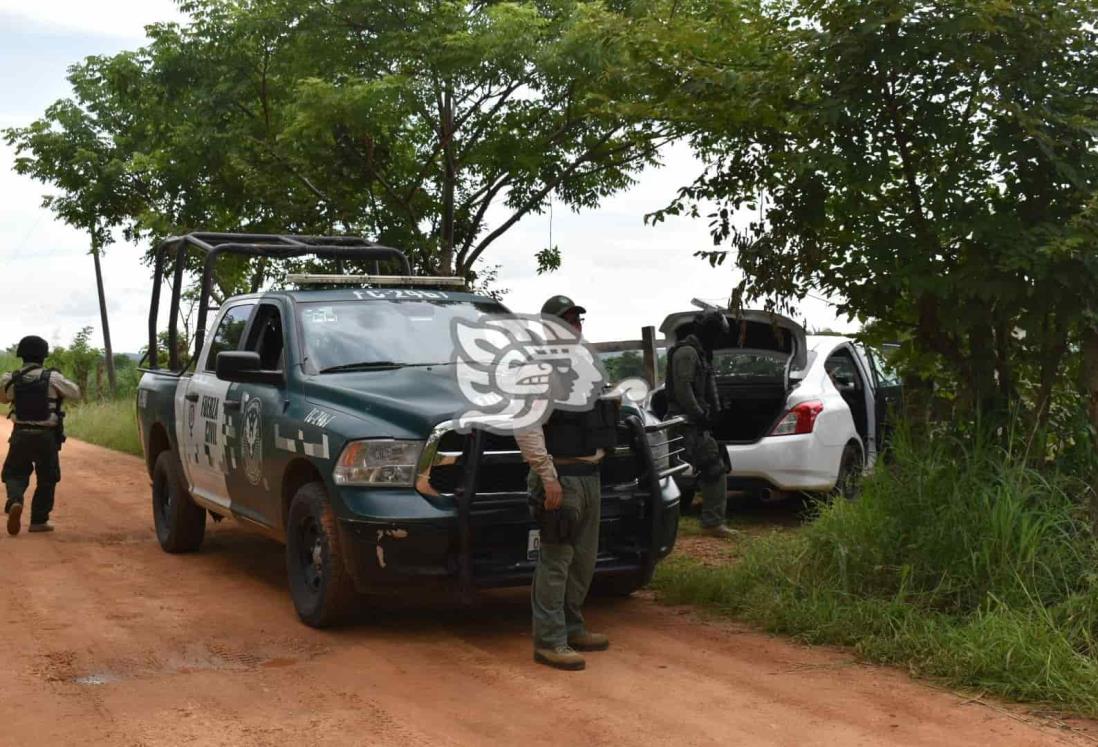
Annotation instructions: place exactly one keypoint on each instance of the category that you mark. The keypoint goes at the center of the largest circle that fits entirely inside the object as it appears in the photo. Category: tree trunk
(1051, 359)
(107, 349)
(1090, 373)
(449, 180)
(1089, 385)
(260, 274)
(981, 379)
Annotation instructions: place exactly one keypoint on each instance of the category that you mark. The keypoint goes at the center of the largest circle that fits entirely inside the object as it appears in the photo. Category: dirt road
(104, 639)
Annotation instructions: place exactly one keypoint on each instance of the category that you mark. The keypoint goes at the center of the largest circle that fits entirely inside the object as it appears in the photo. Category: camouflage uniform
(692, 390)
(37, 433)
(564, 571)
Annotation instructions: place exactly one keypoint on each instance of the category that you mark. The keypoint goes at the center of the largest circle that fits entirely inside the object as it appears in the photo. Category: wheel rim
(311, 554)
(164, 490)
(848, 476)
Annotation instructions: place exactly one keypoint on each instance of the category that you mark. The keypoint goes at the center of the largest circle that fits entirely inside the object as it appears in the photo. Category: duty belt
(577, 469)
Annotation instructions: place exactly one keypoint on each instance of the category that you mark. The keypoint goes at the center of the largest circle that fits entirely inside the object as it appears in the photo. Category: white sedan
(798, 413)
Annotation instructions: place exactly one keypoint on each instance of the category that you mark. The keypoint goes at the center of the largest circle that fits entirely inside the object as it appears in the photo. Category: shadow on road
(231, 550)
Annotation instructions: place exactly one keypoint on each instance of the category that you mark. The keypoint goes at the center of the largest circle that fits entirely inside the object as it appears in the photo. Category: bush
(111, 423)
(958, 560)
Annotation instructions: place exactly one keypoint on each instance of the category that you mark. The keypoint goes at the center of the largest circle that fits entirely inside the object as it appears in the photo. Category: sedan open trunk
(754, 365)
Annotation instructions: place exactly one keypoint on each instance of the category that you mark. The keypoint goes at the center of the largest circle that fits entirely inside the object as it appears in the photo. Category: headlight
(378, 462)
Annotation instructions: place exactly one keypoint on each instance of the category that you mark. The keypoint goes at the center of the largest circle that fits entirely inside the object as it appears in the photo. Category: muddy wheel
(180, 524)
(322, 590)
(850, 472)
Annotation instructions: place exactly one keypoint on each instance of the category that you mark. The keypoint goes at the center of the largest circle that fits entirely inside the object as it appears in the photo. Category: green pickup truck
(320, 417)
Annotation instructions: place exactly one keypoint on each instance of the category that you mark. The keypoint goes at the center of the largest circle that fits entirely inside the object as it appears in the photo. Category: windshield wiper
(379, 366)
(363, 366)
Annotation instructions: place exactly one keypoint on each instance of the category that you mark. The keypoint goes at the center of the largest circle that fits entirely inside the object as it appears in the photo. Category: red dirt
(105, 639)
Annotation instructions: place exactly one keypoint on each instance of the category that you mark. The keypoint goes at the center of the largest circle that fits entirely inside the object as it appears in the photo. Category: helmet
(33, 349)
(710, 325)
(561, 305)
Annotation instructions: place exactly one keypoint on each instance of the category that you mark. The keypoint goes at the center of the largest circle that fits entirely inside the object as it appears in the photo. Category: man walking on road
(692, 393)
(36, 394)
(566, 500)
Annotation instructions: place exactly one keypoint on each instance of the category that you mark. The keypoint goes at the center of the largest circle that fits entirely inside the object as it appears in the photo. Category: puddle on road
(207, 656)
(94, 680)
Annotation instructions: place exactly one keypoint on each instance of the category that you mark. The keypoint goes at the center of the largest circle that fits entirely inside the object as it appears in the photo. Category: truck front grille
(502, 469)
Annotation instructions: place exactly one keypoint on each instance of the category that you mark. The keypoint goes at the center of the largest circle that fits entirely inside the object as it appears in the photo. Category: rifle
(704, 305)
(61, 437)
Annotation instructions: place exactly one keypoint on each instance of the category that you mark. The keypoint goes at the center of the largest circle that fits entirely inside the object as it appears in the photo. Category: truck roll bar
(277, 246)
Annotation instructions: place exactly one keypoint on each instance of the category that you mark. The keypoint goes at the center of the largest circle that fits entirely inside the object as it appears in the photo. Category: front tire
(320, 586)
(180, 524)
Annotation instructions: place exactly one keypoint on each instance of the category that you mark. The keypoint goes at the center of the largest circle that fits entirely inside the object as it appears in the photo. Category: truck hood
(412, 399)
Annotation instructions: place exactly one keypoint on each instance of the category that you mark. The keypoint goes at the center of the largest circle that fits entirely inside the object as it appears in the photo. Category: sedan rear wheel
(850, 472)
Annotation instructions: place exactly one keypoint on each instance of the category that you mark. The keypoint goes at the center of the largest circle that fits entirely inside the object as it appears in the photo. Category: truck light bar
(425, 280)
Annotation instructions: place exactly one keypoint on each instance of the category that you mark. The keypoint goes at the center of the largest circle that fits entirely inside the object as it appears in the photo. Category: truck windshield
(380, 334)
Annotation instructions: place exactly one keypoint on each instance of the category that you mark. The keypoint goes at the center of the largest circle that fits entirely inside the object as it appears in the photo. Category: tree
(434, 127)
(76, 149)
(927, 164)
(78, 360)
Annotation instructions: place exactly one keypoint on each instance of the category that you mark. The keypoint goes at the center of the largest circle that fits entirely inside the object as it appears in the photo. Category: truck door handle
(192, 396)
(232, 404)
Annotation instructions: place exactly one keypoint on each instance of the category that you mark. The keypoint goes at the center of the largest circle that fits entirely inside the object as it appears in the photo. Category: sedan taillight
(801, 419)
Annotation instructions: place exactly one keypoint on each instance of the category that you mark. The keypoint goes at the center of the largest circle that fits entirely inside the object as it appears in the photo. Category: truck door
(256, 413)
(200, 412)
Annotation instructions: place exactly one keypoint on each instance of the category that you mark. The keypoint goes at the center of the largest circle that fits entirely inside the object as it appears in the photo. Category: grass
(112, 424)
(109, 423)
(958, 562)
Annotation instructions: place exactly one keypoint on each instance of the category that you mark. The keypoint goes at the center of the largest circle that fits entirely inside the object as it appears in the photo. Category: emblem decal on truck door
(251, 442)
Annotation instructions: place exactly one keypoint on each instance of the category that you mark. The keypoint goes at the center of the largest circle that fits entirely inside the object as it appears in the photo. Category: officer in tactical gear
(36, 394)
(566, 500)
(692, 393)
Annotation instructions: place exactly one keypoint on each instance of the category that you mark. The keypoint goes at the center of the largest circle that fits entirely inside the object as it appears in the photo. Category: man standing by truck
(36, 394)
(692, 394)
(566, 500)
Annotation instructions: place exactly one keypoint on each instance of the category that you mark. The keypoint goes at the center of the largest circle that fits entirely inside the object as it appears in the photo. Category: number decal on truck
(399, 293)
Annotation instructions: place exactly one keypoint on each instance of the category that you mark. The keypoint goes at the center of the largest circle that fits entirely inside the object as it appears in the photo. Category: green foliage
(628, 365)
(929, 164)
(8, 361)
(958, 561)
(548, 260)
(403, 121)
(78, 361)
(110, 423)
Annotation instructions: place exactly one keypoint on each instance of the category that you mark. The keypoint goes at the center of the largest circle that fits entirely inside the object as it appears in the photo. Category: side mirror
(242, 367)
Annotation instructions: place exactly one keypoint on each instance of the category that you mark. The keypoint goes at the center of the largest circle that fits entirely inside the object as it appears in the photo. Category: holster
(558, 527)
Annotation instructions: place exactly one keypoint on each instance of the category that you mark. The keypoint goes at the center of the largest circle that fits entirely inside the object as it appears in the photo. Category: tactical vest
(700, 381)
(31, 396)
(579, 434)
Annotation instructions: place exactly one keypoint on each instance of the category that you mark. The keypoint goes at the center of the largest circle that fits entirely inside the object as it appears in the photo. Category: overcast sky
(625, 273)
